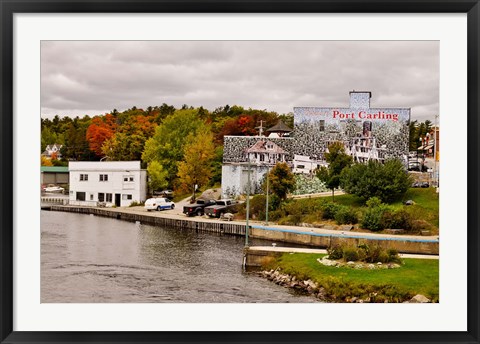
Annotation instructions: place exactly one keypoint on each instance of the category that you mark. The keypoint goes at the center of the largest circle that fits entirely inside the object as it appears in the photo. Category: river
(90, 259)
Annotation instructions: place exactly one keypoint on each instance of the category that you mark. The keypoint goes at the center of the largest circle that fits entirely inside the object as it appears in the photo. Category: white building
(53, 150)
(111, 182)
(304, 164)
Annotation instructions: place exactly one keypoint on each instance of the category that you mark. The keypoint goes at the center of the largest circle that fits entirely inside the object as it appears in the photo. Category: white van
(158, 204)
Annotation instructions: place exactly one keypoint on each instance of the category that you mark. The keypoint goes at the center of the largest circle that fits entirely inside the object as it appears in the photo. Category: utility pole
(248, 202)
(435, 172)
(266, 205)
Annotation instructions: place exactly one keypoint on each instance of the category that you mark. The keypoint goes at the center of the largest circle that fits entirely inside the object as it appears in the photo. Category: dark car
(221, 207)
(198, 207)
(425, 185)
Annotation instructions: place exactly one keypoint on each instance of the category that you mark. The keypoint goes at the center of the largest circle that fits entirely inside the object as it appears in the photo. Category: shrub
(136, 204)
(346, 215)
(396, 219)
(420, 225)
(329, 210)
(276, 215)
(257, 207)
(388, 181)
(335, 252)
(373, 215)
(350, 254)
(363, 253)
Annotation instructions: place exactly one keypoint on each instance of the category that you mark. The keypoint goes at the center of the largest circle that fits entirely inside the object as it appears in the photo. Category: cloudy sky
(85, 77)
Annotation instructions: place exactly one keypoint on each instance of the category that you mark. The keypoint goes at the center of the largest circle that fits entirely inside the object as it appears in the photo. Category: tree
(44, 161)
(387, 181)
(129, 140)
(100, 130)
(157, 176)
(337, 160)
(168, 143)
(196, 167)
(281, 180)
(47, 138)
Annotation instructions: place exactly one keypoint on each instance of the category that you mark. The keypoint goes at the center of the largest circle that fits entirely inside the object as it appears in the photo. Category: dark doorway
(117, 199)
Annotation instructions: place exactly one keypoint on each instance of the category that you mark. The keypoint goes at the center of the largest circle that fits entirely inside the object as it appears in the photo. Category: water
(89, 259)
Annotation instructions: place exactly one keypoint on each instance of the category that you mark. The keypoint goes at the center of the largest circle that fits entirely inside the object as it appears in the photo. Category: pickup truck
(198, 207)
(221, 207)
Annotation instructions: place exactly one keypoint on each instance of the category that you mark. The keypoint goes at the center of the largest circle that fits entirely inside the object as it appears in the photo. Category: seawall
(294, 235)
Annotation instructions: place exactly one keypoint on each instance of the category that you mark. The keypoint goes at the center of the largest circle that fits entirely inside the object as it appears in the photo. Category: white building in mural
(107, 182)
(304, 164)
(260, 157)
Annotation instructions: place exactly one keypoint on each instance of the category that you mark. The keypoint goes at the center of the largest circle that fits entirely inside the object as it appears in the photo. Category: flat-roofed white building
(111, 182)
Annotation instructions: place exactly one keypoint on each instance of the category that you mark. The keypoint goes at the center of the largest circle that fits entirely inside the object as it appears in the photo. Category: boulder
(227, 217)
(419, 299)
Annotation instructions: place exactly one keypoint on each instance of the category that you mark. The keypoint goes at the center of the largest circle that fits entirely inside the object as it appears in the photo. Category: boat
(53, 188)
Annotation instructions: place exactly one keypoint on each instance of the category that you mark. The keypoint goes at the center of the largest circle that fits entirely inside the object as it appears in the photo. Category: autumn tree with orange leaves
(100, 130)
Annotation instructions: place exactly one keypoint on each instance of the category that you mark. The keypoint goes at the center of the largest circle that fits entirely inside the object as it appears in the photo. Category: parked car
(425, 185)
(198, 207)
(159, 204)
(164, 193)
(221, 207)
(416, 166)
(421, 185)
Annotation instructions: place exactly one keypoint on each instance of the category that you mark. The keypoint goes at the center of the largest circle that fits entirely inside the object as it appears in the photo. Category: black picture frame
(10, 7)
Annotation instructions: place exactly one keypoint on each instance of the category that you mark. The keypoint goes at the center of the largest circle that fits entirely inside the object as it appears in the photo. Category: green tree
(196, 167)
(387, 181)
(123, 147)
(157, 176)
(48, 137)
(167, 145)
(281, 180)
(337, 160)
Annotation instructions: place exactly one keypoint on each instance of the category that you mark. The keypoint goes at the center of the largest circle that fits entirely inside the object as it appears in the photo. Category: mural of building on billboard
(367, 134)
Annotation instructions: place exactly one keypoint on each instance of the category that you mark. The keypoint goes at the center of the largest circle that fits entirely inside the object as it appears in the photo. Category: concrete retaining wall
(312, 239)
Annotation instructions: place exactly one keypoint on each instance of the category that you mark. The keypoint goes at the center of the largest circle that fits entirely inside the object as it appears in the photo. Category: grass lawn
(426, 204)
(415, 276)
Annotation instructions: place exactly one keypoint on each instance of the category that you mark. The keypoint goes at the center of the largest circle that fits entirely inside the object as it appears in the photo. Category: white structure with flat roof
(107, 182)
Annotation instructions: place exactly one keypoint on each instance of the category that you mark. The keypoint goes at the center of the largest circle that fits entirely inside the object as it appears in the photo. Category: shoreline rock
(309, 287)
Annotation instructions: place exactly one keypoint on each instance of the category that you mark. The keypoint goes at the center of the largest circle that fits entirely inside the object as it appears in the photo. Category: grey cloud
(272, 75)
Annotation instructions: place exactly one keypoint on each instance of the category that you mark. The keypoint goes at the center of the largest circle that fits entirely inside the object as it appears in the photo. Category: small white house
(111, 182)
(53, 150)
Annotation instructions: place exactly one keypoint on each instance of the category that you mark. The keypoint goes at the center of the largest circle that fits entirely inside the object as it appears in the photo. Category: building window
(128, 178)
(104, 178)
(91, 197)
(80, 196)
(126, 196)
(321, 124)
(83, 177)
(109, 197)
(101, 197)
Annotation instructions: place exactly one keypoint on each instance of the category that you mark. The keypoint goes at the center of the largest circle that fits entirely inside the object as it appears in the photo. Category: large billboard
(367, 133)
